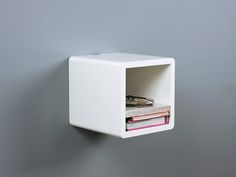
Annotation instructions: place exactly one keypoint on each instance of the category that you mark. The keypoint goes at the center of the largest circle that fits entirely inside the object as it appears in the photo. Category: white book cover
(150, 116)
(136, 111)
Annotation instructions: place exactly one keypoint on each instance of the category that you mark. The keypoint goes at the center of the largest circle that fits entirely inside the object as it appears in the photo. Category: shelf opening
(151, 82)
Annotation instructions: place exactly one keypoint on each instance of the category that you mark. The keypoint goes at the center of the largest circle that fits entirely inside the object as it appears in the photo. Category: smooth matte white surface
(98, 85)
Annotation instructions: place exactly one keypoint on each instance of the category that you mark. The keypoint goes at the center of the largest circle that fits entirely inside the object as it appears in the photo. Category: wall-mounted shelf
(98, 85)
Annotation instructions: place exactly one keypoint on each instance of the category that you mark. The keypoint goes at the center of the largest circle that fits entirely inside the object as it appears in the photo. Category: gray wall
(37, 37)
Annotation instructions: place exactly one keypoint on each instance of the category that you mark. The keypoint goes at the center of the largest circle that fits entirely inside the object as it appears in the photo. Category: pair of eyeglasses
(132, 101)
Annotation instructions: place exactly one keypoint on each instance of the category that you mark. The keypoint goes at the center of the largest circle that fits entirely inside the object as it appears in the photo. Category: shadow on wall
(46, 138)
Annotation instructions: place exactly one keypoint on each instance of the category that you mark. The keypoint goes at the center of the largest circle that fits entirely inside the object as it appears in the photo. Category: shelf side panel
(96, 96)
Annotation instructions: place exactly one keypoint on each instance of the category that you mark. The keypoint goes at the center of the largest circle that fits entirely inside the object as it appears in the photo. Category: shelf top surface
(122, 57)
(126, 59)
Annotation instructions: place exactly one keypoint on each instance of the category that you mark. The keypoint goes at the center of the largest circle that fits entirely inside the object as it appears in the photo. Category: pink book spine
(149, 126)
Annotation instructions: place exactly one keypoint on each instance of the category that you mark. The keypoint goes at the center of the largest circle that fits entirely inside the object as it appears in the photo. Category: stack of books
(146, 117)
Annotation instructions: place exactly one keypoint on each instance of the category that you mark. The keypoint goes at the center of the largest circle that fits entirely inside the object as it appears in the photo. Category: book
(136, 111)
(136, 125)
(149, 116)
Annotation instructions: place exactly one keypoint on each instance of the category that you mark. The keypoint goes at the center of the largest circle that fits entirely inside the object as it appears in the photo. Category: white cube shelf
(98, 85)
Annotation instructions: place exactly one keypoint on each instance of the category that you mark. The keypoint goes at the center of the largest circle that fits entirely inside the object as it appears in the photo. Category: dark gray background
(37, 37)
